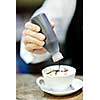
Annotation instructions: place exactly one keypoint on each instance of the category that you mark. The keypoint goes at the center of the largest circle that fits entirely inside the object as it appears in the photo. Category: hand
(33, 39)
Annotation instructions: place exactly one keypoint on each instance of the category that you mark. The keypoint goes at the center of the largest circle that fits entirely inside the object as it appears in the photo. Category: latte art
(60, 72)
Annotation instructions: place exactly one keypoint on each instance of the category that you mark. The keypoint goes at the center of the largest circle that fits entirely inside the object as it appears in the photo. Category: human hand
(33, 39)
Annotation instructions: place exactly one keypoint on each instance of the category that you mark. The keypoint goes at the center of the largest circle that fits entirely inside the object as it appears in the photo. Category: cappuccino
(55, 78)
(59, 72)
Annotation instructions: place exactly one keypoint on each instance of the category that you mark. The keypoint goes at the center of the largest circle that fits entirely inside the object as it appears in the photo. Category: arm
(61, 12)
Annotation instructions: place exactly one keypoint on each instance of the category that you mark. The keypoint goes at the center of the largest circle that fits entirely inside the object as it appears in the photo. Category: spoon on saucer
(72, 87)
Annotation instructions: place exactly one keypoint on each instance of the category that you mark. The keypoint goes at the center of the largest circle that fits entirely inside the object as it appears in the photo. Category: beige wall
(28, 3)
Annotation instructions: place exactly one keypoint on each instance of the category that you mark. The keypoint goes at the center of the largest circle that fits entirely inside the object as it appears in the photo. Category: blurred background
(24, 10)
(73, 46)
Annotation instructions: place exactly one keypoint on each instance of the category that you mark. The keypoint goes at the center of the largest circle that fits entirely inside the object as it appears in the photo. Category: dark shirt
(74, 39)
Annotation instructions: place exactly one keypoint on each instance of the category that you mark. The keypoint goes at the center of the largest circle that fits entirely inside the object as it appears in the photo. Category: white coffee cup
(57, 82)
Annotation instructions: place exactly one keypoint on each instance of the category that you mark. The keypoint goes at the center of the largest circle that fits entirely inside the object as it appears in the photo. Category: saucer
(75, 86)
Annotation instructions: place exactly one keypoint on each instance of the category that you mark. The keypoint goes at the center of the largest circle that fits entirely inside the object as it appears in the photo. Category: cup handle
(40, 81)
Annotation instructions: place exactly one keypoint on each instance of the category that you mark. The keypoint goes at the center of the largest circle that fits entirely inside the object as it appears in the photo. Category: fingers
(40, 51)
(38, 36)
(35, 48)
(33, 40)
(32, 27)
(35, 27)
(31, 47)
(28, 39)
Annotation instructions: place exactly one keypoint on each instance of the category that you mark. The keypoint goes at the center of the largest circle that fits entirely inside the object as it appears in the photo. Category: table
(27, 89)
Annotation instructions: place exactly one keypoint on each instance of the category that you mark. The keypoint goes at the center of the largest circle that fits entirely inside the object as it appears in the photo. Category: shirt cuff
(29, 57)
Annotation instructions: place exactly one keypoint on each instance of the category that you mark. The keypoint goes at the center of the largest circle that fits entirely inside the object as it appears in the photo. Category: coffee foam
(51, 70)
(61, 72)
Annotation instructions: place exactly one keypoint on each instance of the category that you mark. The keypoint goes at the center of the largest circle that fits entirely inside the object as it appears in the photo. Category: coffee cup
(55, 78)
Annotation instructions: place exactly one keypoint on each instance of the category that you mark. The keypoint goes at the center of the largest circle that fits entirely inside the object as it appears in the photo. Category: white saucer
(75, 86)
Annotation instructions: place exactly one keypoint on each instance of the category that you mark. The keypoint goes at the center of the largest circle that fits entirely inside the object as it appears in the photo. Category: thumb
(52, 24)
